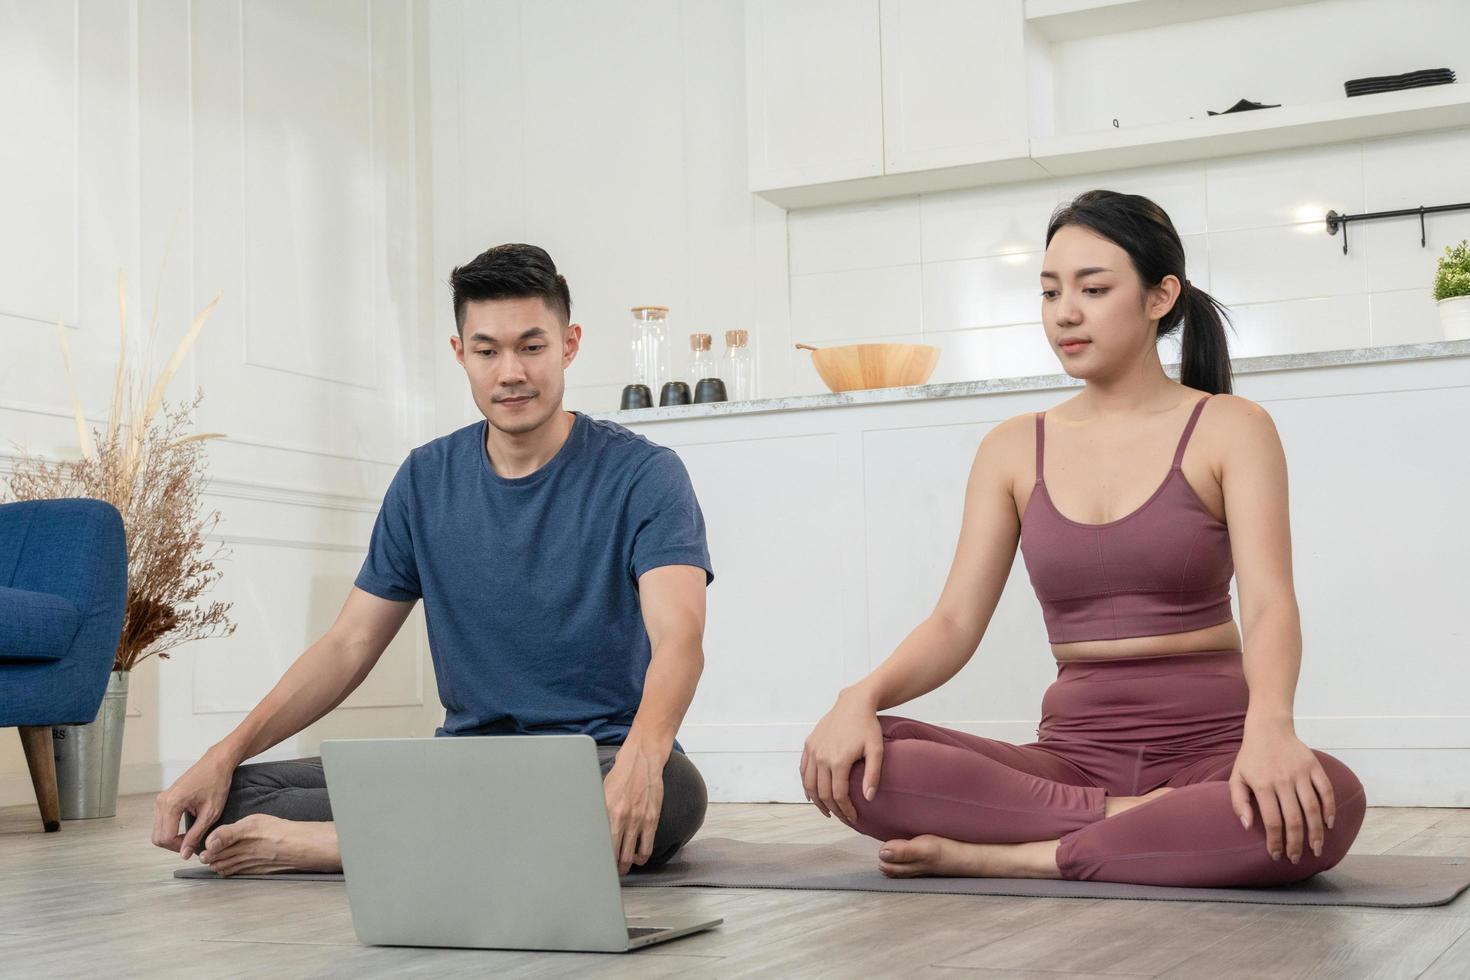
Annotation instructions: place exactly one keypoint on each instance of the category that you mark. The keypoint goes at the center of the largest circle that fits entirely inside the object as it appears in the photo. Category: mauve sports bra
(1165, 568)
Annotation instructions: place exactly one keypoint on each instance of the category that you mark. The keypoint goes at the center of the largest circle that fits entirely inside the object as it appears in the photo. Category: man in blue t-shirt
(562, 565)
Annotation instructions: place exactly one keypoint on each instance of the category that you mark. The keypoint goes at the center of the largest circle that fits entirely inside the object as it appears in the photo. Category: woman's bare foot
(1114, 805)
(259, 844)
(931, 855)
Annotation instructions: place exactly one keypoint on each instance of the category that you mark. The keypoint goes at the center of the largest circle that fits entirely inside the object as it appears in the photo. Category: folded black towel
(1395, 83)
(1405, 77)
(1398, 88)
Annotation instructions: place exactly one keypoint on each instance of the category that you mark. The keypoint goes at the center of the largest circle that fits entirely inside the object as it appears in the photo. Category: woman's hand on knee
(848, 734)
(1291, 790)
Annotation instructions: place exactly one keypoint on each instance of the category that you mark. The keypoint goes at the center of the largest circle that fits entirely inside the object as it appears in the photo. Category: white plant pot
(1454, 316)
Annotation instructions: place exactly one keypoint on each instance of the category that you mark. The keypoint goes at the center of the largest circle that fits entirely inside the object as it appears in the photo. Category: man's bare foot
(259, 844)
(931, 855)
(1114, 805)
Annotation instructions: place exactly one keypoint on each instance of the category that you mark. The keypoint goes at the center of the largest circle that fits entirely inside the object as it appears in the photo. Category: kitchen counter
(961, 389)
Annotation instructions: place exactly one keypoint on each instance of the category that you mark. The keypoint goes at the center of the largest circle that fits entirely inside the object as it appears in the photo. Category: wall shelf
(1259, 131)
(1069, 20)
(999, 171)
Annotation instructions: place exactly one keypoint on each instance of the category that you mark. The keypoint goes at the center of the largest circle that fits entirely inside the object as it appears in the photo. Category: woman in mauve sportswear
(1166, 753)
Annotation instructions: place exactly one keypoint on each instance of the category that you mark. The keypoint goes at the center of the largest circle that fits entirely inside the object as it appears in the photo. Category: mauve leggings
(1118, 727)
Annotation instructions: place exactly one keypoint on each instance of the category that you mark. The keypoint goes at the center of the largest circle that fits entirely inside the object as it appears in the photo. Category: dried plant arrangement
(147, 465)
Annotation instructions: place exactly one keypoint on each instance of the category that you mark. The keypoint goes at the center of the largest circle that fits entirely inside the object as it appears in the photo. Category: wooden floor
(97, 899)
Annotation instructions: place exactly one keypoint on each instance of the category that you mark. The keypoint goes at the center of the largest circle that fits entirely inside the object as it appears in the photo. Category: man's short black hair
(511, 271)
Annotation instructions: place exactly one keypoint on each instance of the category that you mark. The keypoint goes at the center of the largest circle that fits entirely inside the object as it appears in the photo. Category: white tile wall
(959, 269)
(1015, 350)
(856, 303)
(630, 169)
(1319, 323)
(1197, 261)
(1283, 262)
(1290, 187)
(1396, 261)
(991, 221)
(1401, 173)
(1404, 316)
(855, 236)
(991, 291)
(1180, 190)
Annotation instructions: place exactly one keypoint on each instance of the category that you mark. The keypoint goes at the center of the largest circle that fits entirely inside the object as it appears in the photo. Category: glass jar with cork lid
(651, 347)
(737, 367)
(701, 358)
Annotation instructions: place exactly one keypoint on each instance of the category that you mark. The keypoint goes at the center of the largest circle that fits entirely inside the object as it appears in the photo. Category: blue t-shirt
(530, 585)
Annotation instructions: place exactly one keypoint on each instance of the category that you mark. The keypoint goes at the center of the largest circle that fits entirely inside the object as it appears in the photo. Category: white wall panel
(38, 162)
(270, 151)
(286, 595)
(311, 232)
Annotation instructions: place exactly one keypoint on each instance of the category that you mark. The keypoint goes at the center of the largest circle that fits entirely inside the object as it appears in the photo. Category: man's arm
(319, 680)
(672, 598)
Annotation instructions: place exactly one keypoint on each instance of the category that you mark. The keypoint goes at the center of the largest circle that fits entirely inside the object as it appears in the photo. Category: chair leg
(42, 761)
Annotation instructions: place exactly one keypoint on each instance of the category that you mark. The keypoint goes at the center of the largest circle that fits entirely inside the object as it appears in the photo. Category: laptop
(497, 842)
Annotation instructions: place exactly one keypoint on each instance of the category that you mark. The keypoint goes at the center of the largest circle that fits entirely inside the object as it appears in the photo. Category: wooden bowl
(856, 367)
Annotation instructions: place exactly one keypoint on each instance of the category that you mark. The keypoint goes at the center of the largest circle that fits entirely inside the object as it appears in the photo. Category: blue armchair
(63, 592)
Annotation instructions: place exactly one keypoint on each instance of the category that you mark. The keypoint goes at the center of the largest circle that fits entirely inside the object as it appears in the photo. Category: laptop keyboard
(638, 932)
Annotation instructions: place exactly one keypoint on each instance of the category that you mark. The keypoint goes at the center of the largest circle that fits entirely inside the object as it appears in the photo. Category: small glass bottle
(651, 345)
(737, 367)
(701, 358)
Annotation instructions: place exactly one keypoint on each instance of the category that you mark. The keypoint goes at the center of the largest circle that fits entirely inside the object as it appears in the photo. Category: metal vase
(89, 756)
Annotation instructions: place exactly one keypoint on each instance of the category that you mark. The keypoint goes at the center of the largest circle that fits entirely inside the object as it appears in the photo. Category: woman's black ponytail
(1143, 230)
(1204, 354)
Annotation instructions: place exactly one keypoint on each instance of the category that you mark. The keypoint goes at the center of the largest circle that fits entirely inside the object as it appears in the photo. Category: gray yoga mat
(1377, 880)
(201, 873)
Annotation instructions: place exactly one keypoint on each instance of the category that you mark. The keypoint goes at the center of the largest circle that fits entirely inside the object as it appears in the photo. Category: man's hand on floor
(634, 791)
(201, 792)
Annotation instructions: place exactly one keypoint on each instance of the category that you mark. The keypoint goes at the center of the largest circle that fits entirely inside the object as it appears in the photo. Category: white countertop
(961, 389)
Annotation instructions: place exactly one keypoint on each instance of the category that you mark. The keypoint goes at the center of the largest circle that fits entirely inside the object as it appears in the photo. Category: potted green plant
(1452, 291)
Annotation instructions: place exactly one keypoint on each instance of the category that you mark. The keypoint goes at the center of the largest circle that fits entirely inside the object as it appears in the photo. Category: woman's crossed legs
(953, 803)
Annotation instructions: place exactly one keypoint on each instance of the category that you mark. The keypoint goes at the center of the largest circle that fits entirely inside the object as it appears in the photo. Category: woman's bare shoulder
(1007, 452)
(1010, 436)
(1232, 414)
(1237, 433)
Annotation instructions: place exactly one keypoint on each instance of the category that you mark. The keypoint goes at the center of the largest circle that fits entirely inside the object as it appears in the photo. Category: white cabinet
(954, 83)
(814, 91)
(853, 100)
(861, 99)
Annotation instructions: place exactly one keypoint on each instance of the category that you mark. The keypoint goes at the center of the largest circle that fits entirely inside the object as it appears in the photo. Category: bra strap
(1188, 429)
(1040, 442)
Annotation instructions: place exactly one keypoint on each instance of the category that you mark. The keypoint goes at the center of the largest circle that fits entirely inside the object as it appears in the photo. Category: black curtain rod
(1335, 220)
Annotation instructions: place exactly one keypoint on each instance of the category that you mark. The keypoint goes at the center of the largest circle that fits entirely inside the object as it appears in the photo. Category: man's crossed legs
(278, 817)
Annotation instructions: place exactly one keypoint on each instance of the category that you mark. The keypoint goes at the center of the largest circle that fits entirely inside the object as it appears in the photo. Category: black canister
(636, 396)
(709, 390)
(674, 393)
